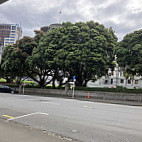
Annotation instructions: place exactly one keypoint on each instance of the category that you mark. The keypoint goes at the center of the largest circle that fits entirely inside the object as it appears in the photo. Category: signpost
(24, 84)
(73, 85)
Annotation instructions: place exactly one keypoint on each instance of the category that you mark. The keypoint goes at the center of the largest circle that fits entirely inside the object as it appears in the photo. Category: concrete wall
(93, 94)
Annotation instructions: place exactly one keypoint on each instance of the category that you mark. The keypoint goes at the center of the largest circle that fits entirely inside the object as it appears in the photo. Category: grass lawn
(2, 80)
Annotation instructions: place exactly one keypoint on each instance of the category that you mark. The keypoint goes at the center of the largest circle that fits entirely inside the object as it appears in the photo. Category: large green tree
(14, 57)
(129, 53)
(37, 62)
(81, 49)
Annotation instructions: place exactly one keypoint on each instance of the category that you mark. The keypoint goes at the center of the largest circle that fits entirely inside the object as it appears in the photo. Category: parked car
(7, 89)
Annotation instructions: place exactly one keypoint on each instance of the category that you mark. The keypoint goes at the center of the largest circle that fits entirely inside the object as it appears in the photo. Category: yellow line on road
(8, 116)
(85, 106)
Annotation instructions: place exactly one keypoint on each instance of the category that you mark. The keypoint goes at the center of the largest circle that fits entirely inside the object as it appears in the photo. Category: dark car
(7, 89)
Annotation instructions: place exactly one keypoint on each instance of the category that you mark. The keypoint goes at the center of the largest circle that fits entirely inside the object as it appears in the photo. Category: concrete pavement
(14, 132)
(79, 120)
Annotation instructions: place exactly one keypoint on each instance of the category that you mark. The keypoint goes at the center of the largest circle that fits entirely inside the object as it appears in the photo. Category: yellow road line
(8, 116)
(85, 106)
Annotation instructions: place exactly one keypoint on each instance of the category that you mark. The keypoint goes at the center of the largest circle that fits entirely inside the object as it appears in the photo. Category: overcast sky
(124, 16)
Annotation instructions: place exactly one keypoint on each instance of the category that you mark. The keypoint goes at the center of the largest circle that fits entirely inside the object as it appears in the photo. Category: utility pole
(74, 79)
(59, 16)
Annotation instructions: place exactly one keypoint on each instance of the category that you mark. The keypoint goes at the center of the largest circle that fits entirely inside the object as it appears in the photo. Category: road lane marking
(43, 113)
(85, 106)
(30, 114)
(8, 116)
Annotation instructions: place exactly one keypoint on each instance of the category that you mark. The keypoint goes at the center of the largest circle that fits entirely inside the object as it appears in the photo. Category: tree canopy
(14, 58)
(83, 49)
(129, 53)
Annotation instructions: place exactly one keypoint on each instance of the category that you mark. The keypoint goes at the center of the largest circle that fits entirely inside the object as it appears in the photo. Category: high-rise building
(2, 1)
(9, 34)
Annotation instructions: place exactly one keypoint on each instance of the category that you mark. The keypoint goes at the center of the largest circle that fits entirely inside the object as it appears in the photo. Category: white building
(116, 78)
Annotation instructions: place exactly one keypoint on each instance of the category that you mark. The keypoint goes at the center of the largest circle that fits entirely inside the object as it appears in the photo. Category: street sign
(74, 77)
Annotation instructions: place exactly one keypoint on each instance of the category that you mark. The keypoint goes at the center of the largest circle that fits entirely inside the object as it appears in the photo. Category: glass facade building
(9, 34)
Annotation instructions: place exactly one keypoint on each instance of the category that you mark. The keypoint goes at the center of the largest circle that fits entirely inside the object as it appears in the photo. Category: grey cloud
(121, 29)
(116, 8)
(135, 17)
(98, 2)
(31, 17)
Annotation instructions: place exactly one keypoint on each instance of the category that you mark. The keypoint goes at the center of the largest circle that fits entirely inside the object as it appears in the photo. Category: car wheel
(12, 92)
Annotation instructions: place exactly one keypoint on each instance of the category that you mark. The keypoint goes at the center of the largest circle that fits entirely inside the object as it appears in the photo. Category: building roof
(46, 28)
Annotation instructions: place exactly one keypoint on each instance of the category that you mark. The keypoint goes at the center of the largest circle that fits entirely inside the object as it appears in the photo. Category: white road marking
(18, 117)
(43, 113)
(74, 131)
(85, 102)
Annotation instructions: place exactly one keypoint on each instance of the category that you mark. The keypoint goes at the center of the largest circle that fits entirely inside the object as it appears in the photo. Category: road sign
(74, 77)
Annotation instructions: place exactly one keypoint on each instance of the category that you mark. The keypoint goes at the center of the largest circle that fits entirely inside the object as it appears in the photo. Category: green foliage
(14, 58)
(129, 53)
(116, 90)
(81, 49)
(2, 80)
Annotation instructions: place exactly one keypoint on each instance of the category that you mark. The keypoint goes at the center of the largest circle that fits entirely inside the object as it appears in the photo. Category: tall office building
(9, 34)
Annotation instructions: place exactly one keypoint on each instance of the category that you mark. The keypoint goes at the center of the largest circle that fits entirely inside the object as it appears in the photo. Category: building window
(106, 81)
(129, 81)
(136, 82)
(13, 27)
(122, 81)
(111, 81)
(12, 39)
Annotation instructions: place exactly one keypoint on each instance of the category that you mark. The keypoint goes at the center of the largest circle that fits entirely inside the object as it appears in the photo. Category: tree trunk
(20, 89)
(53, 83)
(9, 80)
(79, 82)
(41, 83)
(60, 83)
(85, 83)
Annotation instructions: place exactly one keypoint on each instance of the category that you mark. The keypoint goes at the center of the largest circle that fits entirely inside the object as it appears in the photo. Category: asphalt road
(74, 119)
(14, 132)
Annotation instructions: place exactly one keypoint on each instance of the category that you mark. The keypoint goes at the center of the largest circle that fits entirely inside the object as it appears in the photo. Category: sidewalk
(84, 98)
(130, 103)
(13, 132)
